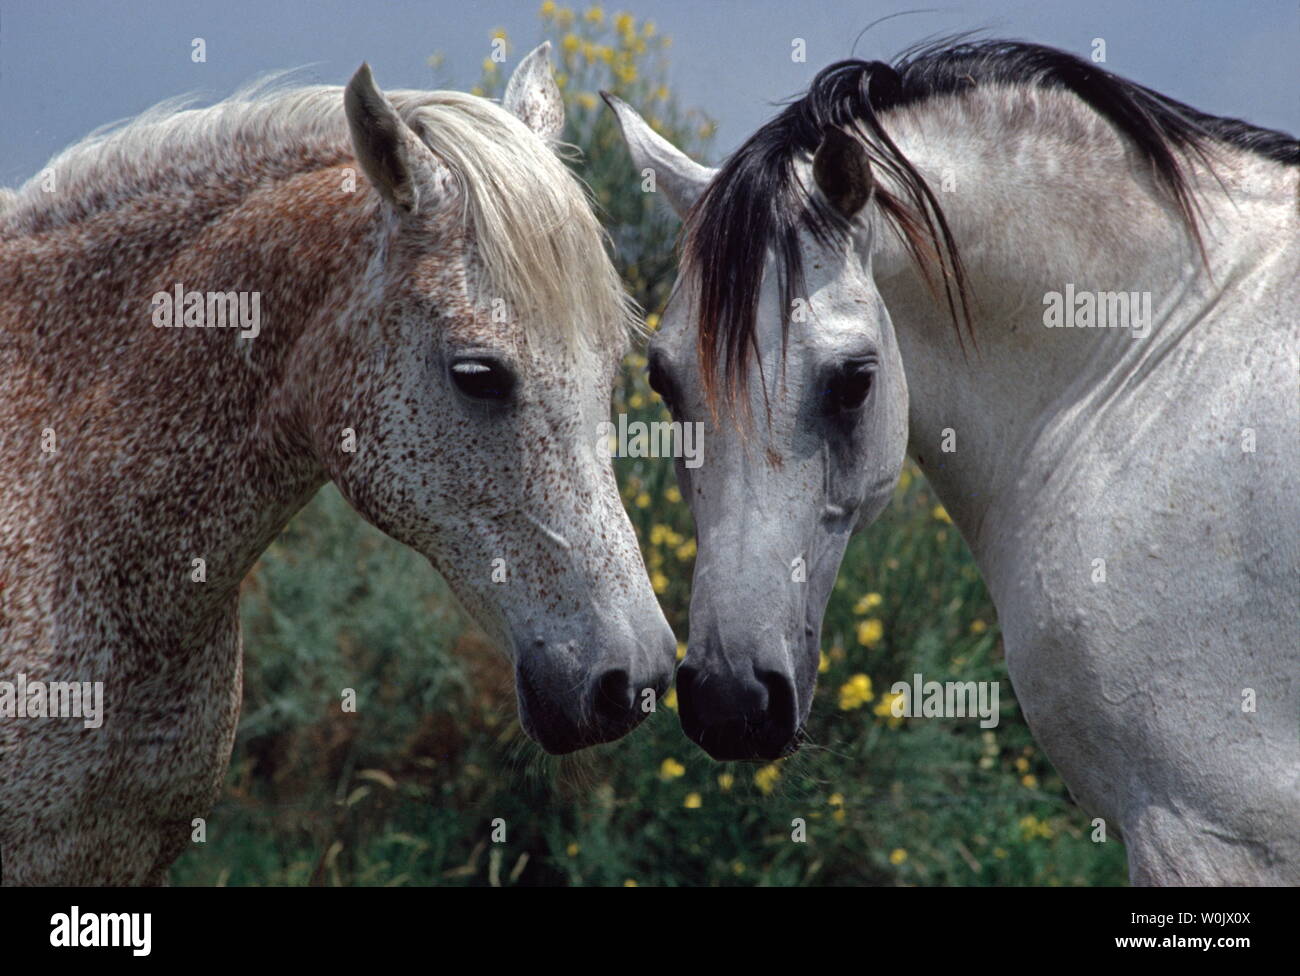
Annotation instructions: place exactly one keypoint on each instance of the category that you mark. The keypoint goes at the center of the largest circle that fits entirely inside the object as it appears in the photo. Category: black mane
(757, 200)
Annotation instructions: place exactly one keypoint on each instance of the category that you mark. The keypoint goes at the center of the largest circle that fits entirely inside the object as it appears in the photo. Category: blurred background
(404, 792)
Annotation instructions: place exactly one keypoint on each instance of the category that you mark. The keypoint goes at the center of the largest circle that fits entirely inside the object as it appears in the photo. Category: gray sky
(67, 66)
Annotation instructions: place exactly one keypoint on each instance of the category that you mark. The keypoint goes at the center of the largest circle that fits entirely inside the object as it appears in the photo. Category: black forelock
(757, 201)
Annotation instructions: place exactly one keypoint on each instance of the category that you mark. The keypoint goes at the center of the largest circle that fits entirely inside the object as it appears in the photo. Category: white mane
(540, 246)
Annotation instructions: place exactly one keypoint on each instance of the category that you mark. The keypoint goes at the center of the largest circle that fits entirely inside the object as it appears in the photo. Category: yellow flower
(658, 581)
(868, 603)
(605, 53)
(624, 22)
(1031, 827)
(673, 494)
(897, 856)
(765, 779)
(1029, 781)
(627, 74)
(681, 650)
(652, 321)
(885, 709)
(572, 850)
(726, 781)
(855, 692)
(1022, 765)
(489, 65)
(570, 43)
(687, 549)
(595, 15)
(630, 883)
(670, 769)
(588, 101)
(941, 514)
(737, 868)
(870, 632)
(564, 16)
(661, 93)
(836, 800)
(548, 8)
(823, 662)
(693, 801)
(643, 500)
(499, 32)
(978, 626)
(649, 28)
(670, 699)
(588, 51)
(904, 480)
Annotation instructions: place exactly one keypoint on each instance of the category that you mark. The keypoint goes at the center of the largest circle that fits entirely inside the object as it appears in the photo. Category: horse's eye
(659, 381)
(483, 379)
(849, 385)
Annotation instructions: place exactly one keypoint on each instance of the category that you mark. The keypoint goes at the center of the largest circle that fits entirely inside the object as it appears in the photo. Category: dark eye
(659, 381)
(849, 385)
(483, 379)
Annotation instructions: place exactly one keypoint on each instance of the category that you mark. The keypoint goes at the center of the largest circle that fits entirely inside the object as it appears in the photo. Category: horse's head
(778, 340)
(462, 419)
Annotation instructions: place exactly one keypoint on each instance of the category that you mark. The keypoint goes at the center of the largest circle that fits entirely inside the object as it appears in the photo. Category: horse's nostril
(781, 706)
(738, 716)
(614, 695)
(686, 676)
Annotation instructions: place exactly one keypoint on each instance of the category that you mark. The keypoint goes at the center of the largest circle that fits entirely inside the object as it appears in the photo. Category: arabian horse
(1073, 301)
(206, 315)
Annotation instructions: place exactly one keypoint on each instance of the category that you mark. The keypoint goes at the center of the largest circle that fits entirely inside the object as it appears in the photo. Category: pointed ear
(382, 142)
(533, 97)
(681, 179)
(842, 172)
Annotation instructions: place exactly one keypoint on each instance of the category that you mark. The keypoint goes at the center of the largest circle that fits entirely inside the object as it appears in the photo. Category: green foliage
(407, 789)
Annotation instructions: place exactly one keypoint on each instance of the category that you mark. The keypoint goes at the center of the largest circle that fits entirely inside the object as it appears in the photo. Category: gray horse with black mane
(1073, 301)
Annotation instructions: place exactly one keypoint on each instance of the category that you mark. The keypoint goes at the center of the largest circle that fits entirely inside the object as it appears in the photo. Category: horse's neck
(195, 441)
(990, 426)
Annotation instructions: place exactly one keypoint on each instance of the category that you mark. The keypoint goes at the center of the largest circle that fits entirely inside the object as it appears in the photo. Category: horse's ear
(381, 141)
(842, 171)
(533, 97)
(681, 179)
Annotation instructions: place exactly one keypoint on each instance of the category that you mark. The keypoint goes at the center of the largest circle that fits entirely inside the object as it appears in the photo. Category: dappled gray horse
(437, 334)
(1074, 302)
